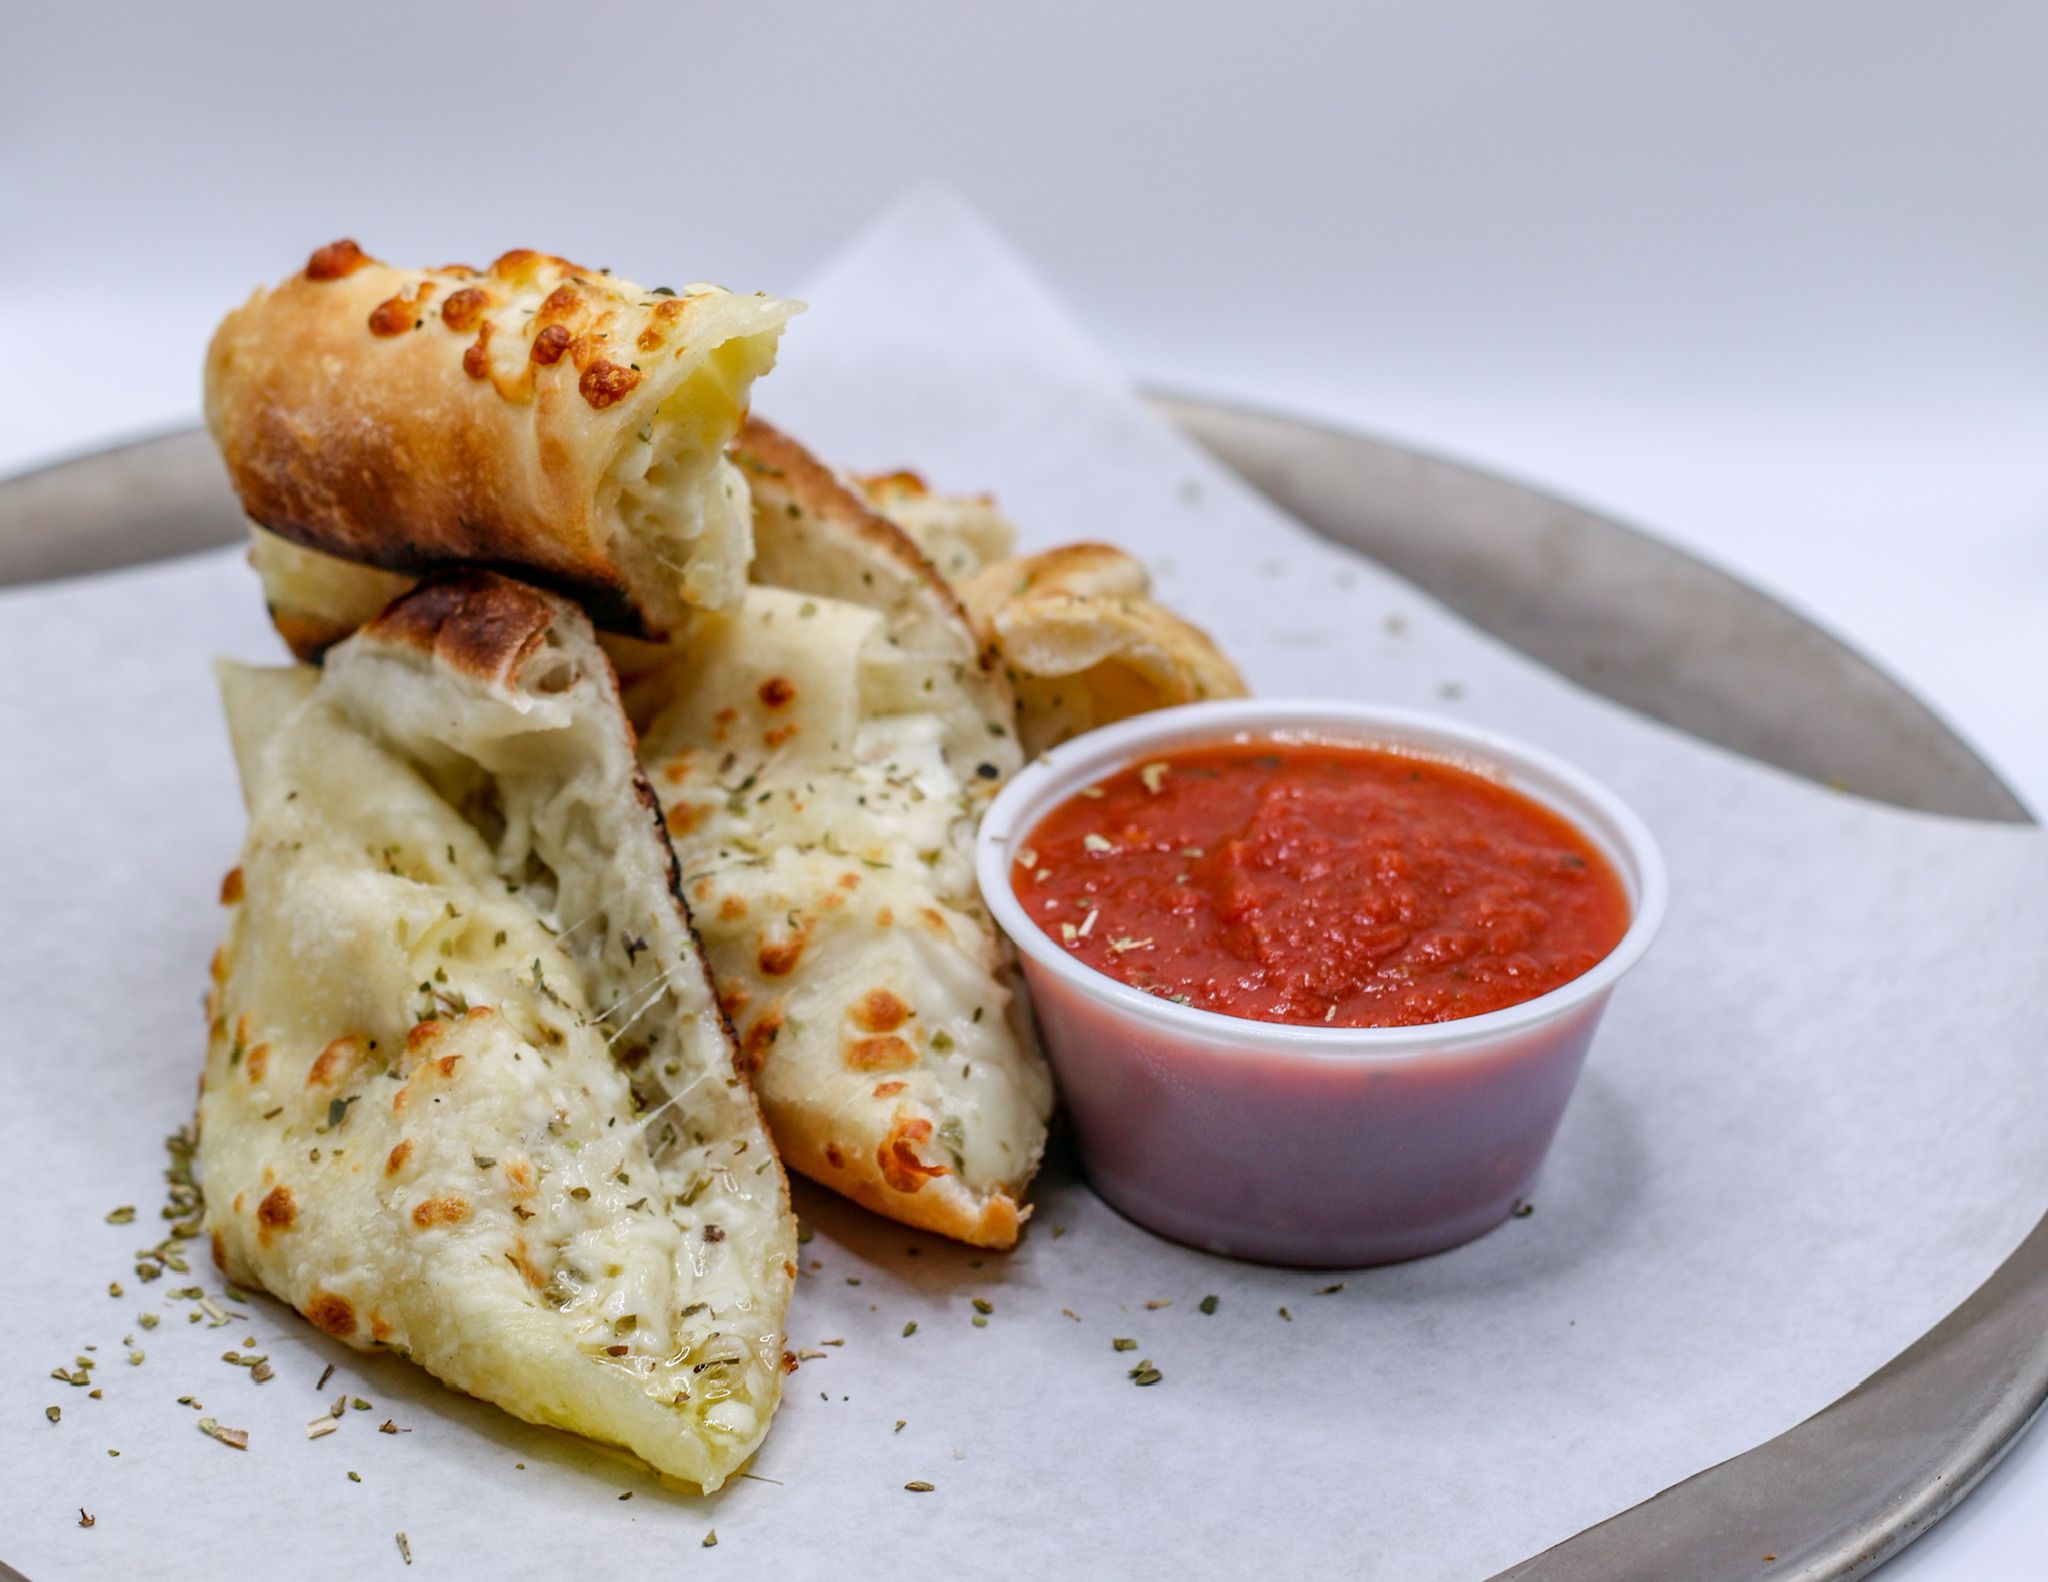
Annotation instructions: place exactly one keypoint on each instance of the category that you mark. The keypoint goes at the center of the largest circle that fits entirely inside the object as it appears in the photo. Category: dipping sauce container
(1308, 1145)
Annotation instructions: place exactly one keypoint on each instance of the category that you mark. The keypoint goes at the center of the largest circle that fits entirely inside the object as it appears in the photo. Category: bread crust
(782, 474)
(1085, 644)
(475, 623)
(416, 419)
(815, 532)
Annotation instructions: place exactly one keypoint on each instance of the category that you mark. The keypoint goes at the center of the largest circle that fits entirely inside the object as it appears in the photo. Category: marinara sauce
(1320, 883)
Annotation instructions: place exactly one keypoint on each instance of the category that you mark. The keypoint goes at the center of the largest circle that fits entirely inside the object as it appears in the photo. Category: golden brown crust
(993, 1221)
(476, 623)
(782, 474)
(959, 533)
(1086, 569)
(814, 532)
(417, 419)
(1085, 644)
(307, 636)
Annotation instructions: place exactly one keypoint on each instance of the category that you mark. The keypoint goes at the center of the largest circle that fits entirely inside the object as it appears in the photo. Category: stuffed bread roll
(468, 1094)
(533, 415)
(824, 753)
(1084, 643)
(959, 533)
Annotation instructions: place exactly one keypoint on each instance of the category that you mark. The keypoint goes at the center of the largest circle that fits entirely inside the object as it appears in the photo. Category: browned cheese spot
(605, 383)
(880, 1011)
(761, 1037)
(732, 908)
(256, 1062)
(524, 1264)
(275, 1213)
(884, 1090)
(395, 1160)
(549, 344)
(338, 1059)
(476, 357)
(446, 1209)
(519, 265)
(777, 958)
(231, 887)
(682, 818)
(393, 316)
(778, 692)
(897, 1156)
(335, 261)
(777, 735)
(422, 1034)
(219, 1250)
(464, 309)
(335, 1314)
(885, 1053)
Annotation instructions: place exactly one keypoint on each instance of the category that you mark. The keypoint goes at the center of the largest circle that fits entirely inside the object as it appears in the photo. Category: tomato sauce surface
(1323, 884)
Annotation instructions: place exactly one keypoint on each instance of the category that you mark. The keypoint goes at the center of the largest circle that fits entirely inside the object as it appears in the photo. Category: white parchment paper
(1813, 1122)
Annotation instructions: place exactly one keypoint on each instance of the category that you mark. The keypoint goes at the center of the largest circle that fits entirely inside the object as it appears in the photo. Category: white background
(1769, 277)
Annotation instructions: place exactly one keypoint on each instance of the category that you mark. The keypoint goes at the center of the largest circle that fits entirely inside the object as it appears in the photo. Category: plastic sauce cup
(1313, 1146)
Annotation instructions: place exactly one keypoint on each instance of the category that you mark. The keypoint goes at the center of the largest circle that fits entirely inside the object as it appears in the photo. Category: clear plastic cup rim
(1590, 807)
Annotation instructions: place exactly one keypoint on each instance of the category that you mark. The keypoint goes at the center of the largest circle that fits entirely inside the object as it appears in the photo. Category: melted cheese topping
(467, 1095)
(826, 848)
